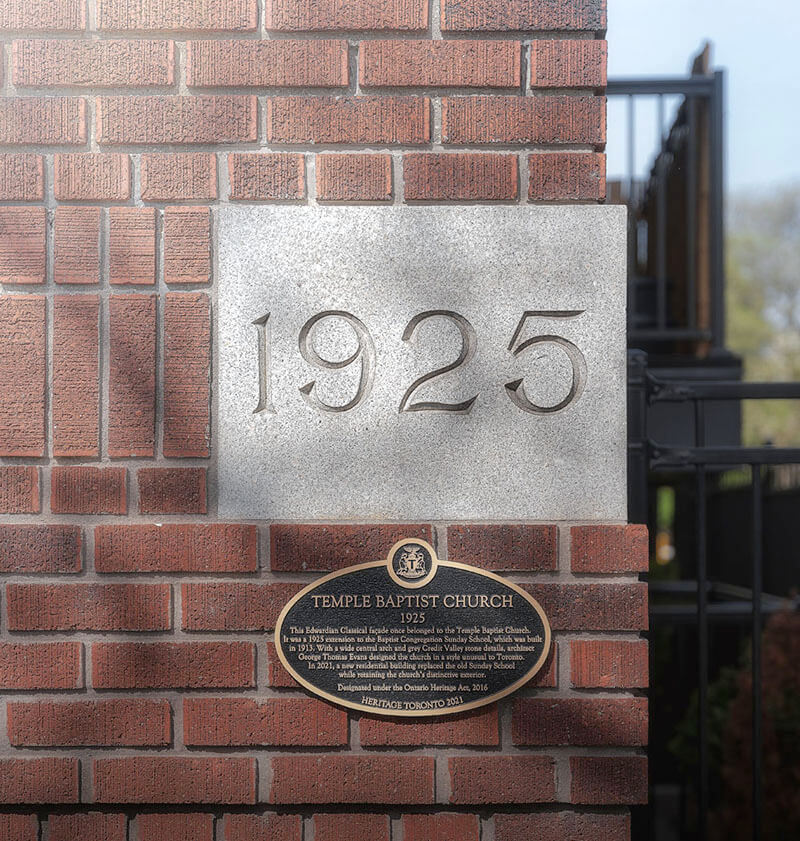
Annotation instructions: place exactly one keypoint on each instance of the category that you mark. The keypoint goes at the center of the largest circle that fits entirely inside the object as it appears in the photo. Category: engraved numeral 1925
(364, 355)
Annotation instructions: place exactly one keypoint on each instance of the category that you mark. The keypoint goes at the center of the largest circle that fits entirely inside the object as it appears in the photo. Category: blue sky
(756, 41)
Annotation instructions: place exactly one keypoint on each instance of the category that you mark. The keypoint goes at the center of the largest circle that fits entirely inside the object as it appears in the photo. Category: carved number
(468, 343)
(365, 353)
(516, 389)
(264, 360)
(365, 350)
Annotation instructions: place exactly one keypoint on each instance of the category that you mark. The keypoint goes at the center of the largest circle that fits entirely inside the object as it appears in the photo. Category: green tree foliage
(763, 303)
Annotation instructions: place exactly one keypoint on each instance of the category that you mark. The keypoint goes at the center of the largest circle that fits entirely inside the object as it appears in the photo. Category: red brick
(91, 826)
(235, 606)
(198, 15)
(77, 245)
(157, 120)
(48, 780)
(22, 375)
(550, 120)
(277, 676)
(132, 245)
(130, 722)
(50, 121)
(445, 826)
(19, 489)
(440, 64)
(42, 15)
(579, 721)
(88, 607)
(502, 779)
(567, 176)
(187, 245)
(40, 548)
(200, 547)
(274, 63)
(92, 176)
(351, 827)
(316, 15)
(557, 826)
(306, 548)
(21, 177)
(76, 375)
(386, 779)
(271, 176)
(354, 177)
(523, 15)
(568, 64)
(19, 827)
(22, 244)
(360, 120)
(41, 665)
(547, 676)
(611, 549)
(164, 665)
(131, 415)
(179, 177)
(269, 827)
(504, 547)
(269, 722)
(593, 607)
(609, 664)
(475, 728)
(175, 779)
(257, 177)
(172, 490)
(187, 375)
(92, 64)
(180, 827)
(608, 780)
(88, 490)
(466, 176)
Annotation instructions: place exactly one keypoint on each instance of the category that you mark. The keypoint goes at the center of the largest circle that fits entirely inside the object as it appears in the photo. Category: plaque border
(482, 702)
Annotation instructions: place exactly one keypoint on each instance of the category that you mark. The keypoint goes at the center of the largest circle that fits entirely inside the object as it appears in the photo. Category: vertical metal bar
(637, 437)
(758, 532)
(702, 626)
(631, 147)
(661, 221)
(661, 242)
(633, 245)
(691, 212)
(717, 226)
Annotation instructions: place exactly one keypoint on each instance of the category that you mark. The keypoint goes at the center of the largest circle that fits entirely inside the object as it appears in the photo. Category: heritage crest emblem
(412, 562)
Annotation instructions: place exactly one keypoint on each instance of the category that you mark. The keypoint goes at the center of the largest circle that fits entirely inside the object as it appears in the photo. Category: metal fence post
(637, 437)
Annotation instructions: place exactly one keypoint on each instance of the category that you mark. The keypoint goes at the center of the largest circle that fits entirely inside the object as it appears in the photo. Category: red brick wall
(139, 682)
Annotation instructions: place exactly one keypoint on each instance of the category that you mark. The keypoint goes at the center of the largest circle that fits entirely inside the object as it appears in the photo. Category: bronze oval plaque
(412, 635)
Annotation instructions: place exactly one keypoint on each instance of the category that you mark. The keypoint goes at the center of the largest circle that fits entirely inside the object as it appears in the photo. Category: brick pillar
(135, 623)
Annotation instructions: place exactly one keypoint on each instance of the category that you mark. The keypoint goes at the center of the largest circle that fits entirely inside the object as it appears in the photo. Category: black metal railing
(695, 471)
(676, 272)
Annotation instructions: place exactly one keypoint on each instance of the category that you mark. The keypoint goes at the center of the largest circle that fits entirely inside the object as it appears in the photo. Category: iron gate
(700, 474)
